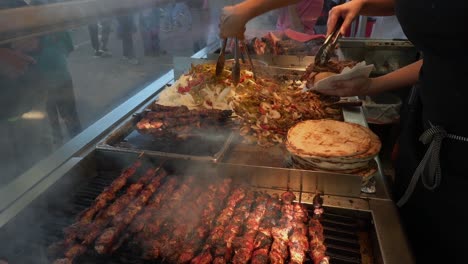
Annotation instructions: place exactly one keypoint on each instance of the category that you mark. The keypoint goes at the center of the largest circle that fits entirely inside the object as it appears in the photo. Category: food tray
(211, 146)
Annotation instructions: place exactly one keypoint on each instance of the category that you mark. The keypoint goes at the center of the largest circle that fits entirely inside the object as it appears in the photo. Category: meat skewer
(219, 226)
(106, 240)
(223, 250)
(244, 245)
(264, 237)
(165, 242)
(154, 204)
(207, 217)
(101, 201)
(298, 244)
(103, 218)
(147, 237)
(187, 222)
(279, 248)
(317, 247)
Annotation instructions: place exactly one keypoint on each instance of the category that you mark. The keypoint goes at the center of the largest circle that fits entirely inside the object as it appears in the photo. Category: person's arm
(13, 63)
(401, 78)
(234, 18)
(254, 8)
(350, 10)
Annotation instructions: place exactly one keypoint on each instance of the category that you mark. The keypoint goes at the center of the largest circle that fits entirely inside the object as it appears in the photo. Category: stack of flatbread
(335, 146)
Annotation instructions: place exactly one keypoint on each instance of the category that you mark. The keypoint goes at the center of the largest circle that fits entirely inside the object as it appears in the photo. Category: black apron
(436, 221)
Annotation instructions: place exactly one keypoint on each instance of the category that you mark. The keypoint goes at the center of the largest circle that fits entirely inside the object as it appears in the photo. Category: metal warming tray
(211, 146)
(356, 230)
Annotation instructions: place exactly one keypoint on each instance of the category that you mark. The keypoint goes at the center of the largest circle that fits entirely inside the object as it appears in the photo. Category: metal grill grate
(342, 232)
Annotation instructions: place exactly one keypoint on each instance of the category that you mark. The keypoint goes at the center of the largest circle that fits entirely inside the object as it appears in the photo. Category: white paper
(359, 70)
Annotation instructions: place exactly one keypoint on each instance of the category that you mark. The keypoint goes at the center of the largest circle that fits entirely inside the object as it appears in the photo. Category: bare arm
(234, 18)
(401, 78)
(257, 7)
(350, 10)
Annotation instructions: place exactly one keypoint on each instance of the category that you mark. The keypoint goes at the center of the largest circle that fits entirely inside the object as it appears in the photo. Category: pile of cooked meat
(191, 219)
(180, 122)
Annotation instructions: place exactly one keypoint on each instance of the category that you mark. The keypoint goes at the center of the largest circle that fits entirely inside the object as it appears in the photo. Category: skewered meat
(298, 244)
(148, 237)
(279, 248)
(91, 231)
(224, 250)
(264, 237)
(106, 240)
(167, 241)
(180, 121)
(207, 218)
(245, 244)
(219, 226)
(101, 201)
(317, 248)
(158, 218)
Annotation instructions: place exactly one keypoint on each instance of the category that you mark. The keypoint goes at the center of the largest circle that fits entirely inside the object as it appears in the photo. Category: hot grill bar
(343, 228)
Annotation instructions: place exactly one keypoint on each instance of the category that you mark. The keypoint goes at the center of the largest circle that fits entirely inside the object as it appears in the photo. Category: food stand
(360, 220)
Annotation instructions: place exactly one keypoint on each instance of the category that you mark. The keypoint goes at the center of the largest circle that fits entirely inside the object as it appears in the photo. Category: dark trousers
(61, 102)
(126, 30)
(94, 35)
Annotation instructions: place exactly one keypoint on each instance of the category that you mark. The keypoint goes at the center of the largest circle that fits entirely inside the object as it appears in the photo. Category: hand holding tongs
(236, 66)
(325, 51)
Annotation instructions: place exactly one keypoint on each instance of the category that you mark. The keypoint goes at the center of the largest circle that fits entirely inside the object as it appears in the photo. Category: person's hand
(232, 22)
(353, 87)
(13, 63)
(349, 11)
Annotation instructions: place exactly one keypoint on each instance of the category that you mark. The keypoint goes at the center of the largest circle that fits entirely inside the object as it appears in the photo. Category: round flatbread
(327, 139)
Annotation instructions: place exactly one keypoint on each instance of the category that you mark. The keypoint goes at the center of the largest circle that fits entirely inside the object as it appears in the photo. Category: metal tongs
(236, 67)
(323, 55)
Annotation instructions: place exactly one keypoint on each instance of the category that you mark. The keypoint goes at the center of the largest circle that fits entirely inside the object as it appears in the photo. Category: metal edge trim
(356, 115)
(393, 243)
(20, 185)
(21, 203)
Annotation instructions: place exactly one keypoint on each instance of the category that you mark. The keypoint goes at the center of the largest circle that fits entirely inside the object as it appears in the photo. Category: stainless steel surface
(277, 156)
(389, 230)
(116, 136)
(386, 55)
(38, 20)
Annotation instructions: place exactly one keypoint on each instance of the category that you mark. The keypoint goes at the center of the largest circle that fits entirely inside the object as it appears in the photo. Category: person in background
(23, 139)
(235, 17)
(54, 74)
(300, 17)
(431, 171)
(126, 29)
(149, 28)
(100, 45)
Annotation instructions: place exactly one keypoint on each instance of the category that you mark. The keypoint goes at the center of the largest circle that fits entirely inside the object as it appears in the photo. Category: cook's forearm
(377, 7)
(401, 78)
(255, 8)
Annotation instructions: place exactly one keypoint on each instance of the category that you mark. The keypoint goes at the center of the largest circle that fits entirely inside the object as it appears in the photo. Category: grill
(349, 234)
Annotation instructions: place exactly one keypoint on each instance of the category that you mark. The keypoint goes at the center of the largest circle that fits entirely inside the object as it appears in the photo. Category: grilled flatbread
(328, 139)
